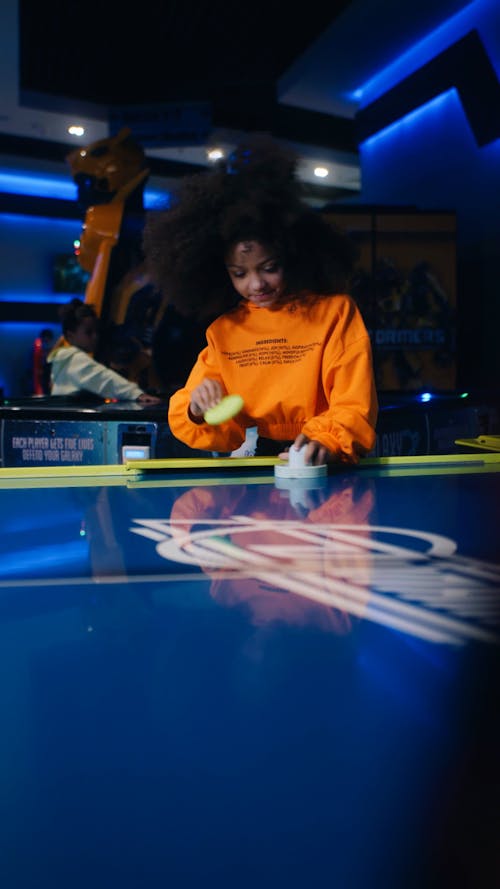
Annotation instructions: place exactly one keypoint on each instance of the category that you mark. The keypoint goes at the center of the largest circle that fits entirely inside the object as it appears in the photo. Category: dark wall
(431, 138)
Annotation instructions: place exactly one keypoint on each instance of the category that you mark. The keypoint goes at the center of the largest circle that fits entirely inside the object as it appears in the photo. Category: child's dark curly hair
(255, 195)
(73, 313)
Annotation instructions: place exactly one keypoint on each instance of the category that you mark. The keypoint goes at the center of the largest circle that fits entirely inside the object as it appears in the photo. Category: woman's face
(255, 273)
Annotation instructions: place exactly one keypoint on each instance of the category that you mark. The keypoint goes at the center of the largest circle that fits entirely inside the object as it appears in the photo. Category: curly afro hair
(254, 195)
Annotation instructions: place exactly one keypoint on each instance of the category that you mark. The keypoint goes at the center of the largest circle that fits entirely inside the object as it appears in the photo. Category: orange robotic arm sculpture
(106, 173)
(110, 176)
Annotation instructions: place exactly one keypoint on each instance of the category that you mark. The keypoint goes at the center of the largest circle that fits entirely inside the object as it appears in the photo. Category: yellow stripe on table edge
(432, 460)
(203, 463)
(132, 467)
(136, 467)
(482, 442)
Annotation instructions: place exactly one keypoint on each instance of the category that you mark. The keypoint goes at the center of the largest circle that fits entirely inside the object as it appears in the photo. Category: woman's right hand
(206, 395)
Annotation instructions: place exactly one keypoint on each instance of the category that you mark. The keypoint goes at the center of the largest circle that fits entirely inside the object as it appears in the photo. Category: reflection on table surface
(406, 552)
(224, 682)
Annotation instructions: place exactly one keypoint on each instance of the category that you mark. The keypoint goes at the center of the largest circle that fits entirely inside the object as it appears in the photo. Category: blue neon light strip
(35, 185)
(43, 298)
(50, 186)
(422, 52)
(23, 220)
(154, 199)
(429, 111)
(21, 329)
(451, 68)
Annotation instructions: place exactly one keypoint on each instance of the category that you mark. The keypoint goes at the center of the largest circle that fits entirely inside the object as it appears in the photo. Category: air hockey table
(215, 677)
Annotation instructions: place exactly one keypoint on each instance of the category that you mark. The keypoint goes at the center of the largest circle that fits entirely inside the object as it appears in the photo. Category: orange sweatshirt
(299, 368)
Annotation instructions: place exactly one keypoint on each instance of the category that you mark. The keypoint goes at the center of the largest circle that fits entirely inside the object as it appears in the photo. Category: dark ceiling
(118, 63)
(113, 53)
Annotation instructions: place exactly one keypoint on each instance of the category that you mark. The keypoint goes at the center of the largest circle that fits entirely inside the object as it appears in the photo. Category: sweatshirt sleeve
(225, 437)
(85, 373)
(347, 427)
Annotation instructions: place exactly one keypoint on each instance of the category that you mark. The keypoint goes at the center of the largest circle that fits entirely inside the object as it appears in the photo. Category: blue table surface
(231, 680)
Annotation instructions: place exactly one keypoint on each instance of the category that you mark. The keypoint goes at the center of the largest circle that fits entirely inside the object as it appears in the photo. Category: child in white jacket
(73, 369)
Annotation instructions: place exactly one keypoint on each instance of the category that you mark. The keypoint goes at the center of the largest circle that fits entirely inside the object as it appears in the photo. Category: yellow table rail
(134, 468)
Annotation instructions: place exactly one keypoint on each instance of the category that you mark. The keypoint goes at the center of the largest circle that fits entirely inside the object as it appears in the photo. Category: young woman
(241, 246)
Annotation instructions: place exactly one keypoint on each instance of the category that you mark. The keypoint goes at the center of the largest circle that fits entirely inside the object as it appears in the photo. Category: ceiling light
(321, 172)
(215, 154)
(75, 130)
